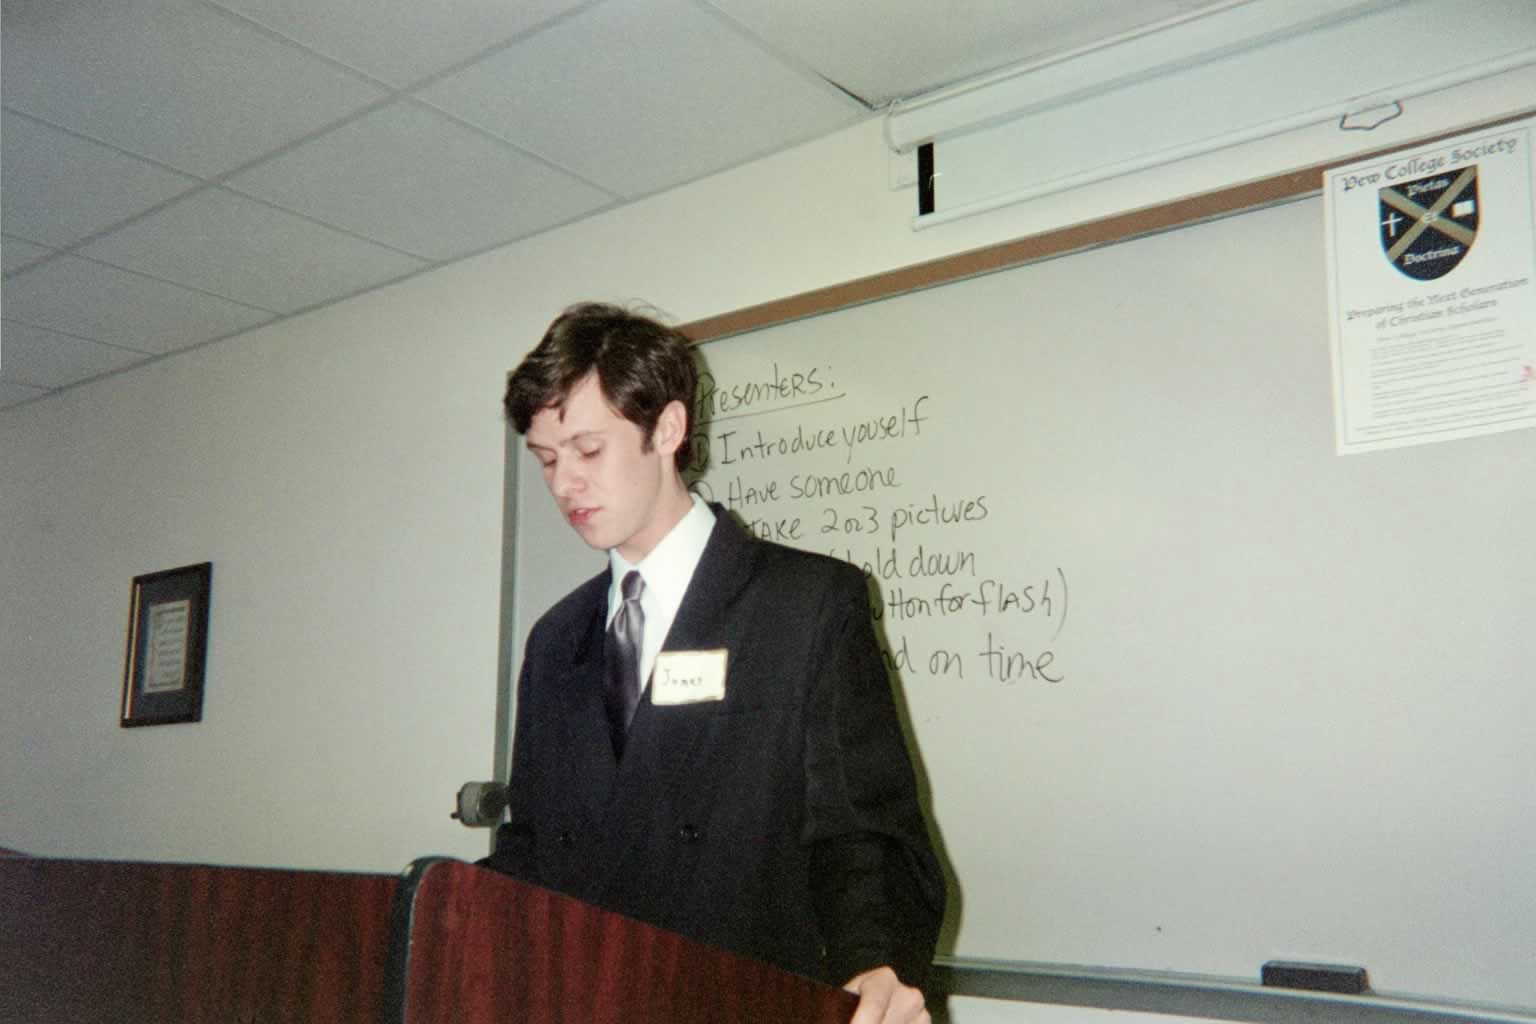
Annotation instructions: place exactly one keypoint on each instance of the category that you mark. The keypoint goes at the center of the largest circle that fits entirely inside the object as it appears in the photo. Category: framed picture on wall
(167, 646)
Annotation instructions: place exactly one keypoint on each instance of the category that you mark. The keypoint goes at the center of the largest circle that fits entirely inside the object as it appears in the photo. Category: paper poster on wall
(1432, 291)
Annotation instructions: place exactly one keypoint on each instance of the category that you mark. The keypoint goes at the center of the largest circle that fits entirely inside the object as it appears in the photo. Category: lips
(580, 516)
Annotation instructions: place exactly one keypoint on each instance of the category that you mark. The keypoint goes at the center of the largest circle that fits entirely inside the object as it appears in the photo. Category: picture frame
(167, 646)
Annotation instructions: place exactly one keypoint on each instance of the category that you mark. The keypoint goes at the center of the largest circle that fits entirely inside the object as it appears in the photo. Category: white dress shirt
(666, 571)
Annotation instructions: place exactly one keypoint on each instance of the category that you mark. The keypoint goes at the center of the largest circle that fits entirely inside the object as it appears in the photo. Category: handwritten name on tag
(688, 677)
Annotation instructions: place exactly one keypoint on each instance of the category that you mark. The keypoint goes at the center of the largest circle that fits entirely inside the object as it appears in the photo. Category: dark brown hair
(641, 364)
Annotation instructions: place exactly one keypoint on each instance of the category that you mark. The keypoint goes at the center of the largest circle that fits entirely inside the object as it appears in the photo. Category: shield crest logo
(1428, 225)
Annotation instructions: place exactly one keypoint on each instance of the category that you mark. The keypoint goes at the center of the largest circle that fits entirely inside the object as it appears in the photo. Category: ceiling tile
(412, 178)
(901, 51)
(16, 253)
(639, 95)
(172, 80)
(400, 41)
(91, 300)
(223, 243)
(59, 188)
(14, 394)
(49, 359)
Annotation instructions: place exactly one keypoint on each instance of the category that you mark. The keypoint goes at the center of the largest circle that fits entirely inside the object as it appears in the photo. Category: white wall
(343, 472)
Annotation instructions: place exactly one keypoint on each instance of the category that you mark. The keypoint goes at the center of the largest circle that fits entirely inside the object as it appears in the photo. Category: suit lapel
(722, 571)
(664, 742)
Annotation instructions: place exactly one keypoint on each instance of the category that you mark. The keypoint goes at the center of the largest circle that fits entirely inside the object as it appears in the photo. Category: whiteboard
(1189, 691)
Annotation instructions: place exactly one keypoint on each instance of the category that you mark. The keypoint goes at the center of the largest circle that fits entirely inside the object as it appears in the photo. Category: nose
(564, 478)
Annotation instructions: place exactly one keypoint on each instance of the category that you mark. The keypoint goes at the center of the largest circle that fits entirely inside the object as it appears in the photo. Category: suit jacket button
(690, 833)
(566, 838)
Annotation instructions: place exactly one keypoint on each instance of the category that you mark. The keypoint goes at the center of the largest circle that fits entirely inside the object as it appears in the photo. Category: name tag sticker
(688, 677)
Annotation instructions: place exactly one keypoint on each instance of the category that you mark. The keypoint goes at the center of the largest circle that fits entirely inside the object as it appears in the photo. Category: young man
(706, 737)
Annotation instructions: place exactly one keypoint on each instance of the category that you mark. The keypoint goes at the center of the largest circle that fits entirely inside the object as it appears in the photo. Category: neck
(674, 503)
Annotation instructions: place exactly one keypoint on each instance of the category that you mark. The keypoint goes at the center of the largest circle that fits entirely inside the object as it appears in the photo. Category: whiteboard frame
(1198, 995)
(1086, 986)
(1189, 995)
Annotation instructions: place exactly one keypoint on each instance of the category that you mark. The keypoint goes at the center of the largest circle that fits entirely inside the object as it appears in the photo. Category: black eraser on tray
(1315, 977)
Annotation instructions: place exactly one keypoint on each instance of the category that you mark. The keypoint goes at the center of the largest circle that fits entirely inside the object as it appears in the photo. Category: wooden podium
(90, 941)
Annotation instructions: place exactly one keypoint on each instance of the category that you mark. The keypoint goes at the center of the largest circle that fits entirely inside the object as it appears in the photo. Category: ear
(671, 428)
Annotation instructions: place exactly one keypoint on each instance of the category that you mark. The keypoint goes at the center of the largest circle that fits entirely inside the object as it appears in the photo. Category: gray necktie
(621, 695)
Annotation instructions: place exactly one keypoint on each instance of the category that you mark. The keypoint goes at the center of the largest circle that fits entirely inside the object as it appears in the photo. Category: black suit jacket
(781, 822)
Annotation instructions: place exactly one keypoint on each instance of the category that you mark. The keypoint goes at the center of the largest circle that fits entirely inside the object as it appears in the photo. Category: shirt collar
(669, 566)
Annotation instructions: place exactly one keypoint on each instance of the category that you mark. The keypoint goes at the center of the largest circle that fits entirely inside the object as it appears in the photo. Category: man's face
(610, 488)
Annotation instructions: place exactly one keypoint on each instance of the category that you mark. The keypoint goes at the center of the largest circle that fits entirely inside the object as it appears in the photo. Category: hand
(883, 999)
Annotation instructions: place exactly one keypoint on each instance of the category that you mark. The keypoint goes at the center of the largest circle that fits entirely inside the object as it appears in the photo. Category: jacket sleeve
(513, 854)
(875, 881)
